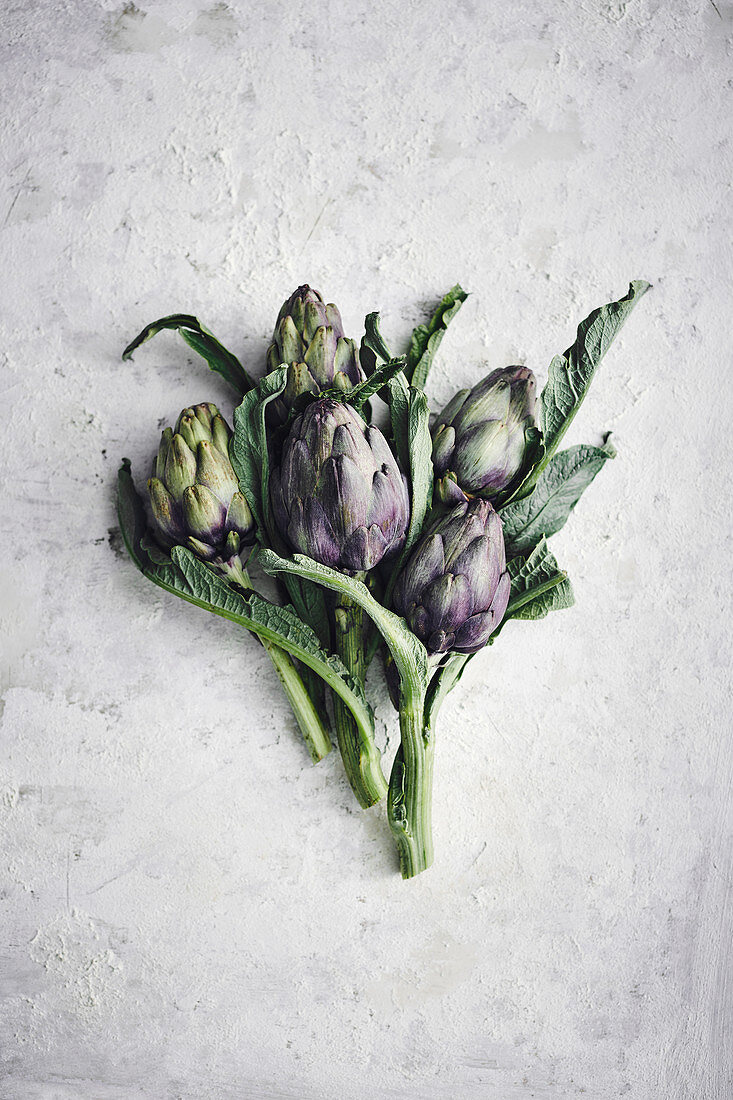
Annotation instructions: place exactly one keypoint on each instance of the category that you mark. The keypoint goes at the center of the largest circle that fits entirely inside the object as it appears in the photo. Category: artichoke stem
(409, 805)
(314, 733)
(359, 753)
(306, 715)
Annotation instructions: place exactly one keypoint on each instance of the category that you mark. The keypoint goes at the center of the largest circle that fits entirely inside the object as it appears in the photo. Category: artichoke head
(337, 493)
(309, 339)
(194, 492)
(454, 587)
(480, 438)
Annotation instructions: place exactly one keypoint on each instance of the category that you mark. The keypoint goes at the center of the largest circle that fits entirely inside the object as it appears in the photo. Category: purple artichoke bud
(454, 588)
(309, 339)
(194, 493)
(479, 438)
(338, 495)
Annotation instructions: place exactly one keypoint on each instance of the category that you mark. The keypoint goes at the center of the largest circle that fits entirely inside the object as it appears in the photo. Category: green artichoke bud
(479, 440)
(309, 339)
(194, 492)
(454, 587)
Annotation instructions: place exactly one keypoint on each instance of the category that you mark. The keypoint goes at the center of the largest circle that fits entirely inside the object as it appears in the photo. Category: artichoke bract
(194, 492)
(479, 440)
(454, 587)
(309, 339)
(338, 494)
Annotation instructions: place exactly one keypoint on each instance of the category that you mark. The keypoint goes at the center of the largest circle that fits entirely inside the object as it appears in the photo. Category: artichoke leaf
(555, 495)
(373, 349)
(571, 374)
(426, 339)
(377, 380)
(199, 338)
(407, 650)
(538, 586)
(249, 456)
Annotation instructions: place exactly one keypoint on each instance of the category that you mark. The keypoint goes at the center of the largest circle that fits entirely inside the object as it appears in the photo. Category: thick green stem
(359, 753)
(306, 715)
(409, 805)
(311, 726)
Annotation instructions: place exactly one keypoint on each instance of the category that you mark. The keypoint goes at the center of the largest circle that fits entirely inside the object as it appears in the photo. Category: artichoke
(309, 339)
(194, 492)
(479, 440)
(454, 587)
(337, 494)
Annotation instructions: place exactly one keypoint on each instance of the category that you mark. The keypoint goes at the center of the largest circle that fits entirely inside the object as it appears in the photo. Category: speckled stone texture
(189, 909)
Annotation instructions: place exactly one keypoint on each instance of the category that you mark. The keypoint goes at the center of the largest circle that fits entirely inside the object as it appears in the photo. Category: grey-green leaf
(373, 349)
(538, 586)
(248, 447)
(426, 339)
(570, 374)
(202, 341)
(377, 380)
(419, 449)
(131, 515)
(555, 495)
(249, 454)
(408, 651)
(414, 447)
(399, 413)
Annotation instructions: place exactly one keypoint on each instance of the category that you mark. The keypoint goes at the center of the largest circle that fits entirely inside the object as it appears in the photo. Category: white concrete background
(189, 910)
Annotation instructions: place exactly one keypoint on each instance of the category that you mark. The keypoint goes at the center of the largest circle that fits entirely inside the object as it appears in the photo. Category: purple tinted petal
(314, 316)
(363, 549)
(204, 514)
(320, 420)
(320, 356)
(355, 551)
(379, 547)
(459, 535)
(452, 408)
(448, 602)
(501, 598)
(278, 504)
(298, 474)
(346, 360)
(475, 632)
(333, 318)
(349, 439)
(488, 400)
(311, 533)
(440, 641)
(385, 504)
(480, 565)
(201, 549)
(380, 449)
(418, 619)
(449, 492)
(344, 493)
(443, 444)
(481, 459)
(495, 532)
(423, 567)
(166, 513)
(394, 544)
(524, 395)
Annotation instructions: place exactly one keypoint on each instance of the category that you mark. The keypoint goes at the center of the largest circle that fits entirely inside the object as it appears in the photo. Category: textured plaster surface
(188, 909)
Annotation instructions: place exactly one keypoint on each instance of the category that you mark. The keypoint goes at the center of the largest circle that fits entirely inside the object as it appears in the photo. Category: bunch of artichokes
(415, 539)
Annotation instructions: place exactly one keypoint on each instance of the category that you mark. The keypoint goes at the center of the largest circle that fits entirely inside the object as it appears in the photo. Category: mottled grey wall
(188, 909)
